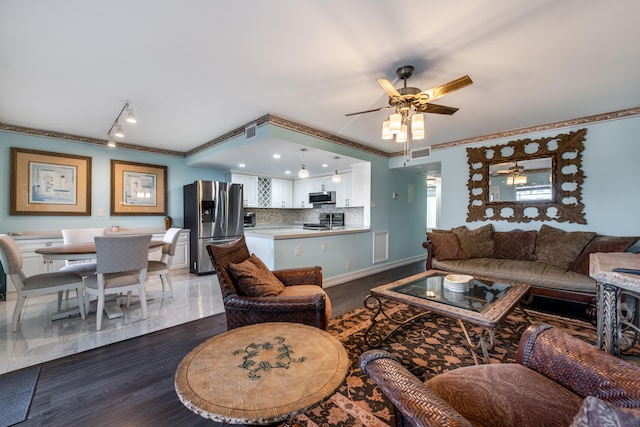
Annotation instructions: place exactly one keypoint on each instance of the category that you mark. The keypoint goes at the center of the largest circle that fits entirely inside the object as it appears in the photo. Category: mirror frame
(565, 151)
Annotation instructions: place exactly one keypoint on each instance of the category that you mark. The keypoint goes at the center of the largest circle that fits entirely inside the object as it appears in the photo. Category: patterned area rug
(427, 346)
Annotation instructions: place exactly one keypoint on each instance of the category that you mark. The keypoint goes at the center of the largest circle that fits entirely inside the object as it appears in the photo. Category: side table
(261, 374)
(618, 300)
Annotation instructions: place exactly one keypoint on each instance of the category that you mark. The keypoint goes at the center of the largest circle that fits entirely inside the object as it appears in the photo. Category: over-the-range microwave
(322, 197)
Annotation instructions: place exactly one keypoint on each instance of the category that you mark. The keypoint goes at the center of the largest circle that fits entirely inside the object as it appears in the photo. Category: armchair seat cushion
(305, 290)
(506, 395)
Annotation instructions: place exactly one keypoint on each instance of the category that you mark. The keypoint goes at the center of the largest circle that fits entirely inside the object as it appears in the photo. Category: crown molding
(297, 127)
(614, 115)
(85, 140)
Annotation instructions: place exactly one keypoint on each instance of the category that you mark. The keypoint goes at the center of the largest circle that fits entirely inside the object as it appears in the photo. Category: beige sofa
(554, 262)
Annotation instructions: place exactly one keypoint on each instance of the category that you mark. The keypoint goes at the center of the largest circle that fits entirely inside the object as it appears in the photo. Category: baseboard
(347, 277)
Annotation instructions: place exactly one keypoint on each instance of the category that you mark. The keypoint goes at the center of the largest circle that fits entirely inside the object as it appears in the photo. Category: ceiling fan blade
(436, 109)
(388, 87)
(367, 111)
(440, 91)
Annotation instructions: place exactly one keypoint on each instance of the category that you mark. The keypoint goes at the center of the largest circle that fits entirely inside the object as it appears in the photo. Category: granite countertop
(297, 232)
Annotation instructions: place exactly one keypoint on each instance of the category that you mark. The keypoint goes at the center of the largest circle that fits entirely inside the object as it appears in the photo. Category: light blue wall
(177, 176)
(404, 221)
(611, 191)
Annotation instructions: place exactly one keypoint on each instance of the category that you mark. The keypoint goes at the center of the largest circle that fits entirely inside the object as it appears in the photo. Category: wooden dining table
(83, 251)
(80, 251)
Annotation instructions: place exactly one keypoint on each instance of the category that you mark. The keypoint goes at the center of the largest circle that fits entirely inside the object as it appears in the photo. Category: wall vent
(421, 153)
(250, 132)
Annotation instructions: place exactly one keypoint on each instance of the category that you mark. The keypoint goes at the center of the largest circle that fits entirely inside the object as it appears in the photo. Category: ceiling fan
(405, 98)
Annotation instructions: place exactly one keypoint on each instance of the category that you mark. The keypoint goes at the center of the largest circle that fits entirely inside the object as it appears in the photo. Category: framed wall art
(45, 183)
(138, 188)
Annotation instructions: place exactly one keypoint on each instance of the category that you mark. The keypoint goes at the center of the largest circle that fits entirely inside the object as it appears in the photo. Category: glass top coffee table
(481, 302)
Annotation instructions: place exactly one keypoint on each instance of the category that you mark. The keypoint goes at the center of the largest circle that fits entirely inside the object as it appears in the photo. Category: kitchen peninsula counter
(297, 232)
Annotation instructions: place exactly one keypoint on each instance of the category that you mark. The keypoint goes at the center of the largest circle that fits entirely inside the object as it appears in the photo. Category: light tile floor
(39, 339)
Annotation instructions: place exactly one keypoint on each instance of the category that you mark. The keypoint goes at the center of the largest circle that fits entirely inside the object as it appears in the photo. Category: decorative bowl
(457, 282)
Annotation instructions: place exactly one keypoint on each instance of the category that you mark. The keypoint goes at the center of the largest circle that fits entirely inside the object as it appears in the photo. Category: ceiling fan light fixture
(520, 180)
(401, 137)
(395, 123)
(417, 126)
(386, 133)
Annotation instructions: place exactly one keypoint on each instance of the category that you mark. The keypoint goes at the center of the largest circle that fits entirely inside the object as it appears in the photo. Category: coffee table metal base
(483, 339)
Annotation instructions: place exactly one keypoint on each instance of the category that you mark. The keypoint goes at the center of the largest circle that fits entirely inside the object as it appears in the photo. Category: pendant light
(303, 172)
(336, 176)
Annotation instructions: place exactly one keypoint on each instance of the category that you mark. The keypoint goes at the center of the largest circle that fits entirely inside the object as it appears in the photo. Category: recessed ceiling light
(324, 165)
(287, 172)
(242, 165)
(276, 156)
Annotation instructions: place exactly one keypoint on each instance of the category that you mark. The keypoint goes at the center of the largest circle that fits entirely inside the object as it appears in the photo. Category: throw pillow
(560, 248)
(254, 279)
(446, 246)
(600, 244)
(476, 243)
(516, 244)
(596, 412)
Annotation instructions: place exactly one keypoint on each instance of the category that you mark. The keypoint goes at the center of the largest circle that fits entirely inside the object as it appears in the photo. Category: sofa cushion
(558, 247)
(520, 245)
(506, 394)
(254, 279)
(476, 243)
(536, 274)
(595, 413)
(445, 245)
(600, 244)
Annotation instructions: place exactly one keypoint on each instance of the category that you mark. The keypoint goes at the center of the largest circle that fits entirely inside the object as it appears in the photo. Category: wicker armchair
(551, 383)
(302, 300)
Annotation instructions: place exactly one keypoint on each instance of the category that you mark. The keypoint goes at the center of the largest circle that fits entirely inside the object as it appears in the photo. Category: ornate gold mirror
(528, 180)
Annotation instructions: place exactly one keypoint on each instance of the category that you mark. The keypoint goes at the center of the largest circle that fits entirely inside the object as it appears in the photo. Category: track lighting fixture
(116, 129)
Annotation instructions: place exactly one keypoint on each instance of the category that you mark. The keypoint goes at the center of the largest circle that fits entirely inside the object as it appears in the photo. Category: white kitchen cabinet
(318, 183)
(301, 190)
(343, 191)
(281, 193)
(249, 188)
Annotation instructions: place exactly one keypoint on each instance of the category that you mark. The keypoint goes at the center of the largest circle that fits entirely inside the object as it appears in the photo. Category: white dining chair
(162, 267)
(72, 236)
(121, 267)
(36, 285)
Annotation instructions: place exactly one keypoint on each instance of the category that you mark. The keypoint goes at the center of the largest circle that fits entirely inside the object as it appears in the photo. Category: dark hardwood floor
(131, 383)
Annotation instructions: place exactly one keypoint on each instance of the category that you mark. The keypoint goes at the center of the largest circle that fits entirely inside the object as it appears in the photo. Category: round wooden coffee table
(261, 374)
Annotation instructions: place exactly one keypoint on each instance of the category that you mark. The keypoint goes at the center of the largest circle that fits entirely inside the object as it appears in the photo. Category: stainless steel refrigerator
(214, 213)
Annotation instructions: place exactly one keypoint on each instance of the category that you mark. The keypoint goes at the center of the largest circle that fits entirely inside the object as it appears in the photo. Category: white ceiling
(197, 69)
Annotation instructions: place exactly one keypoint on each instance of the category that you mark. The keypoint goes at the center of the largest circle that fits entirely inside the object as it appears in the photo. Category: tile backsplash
(354, 217)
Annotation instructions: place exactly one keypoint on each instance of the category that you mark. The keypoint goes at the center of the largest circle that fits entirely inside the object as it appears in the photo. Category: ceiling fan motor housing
(404, 72)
